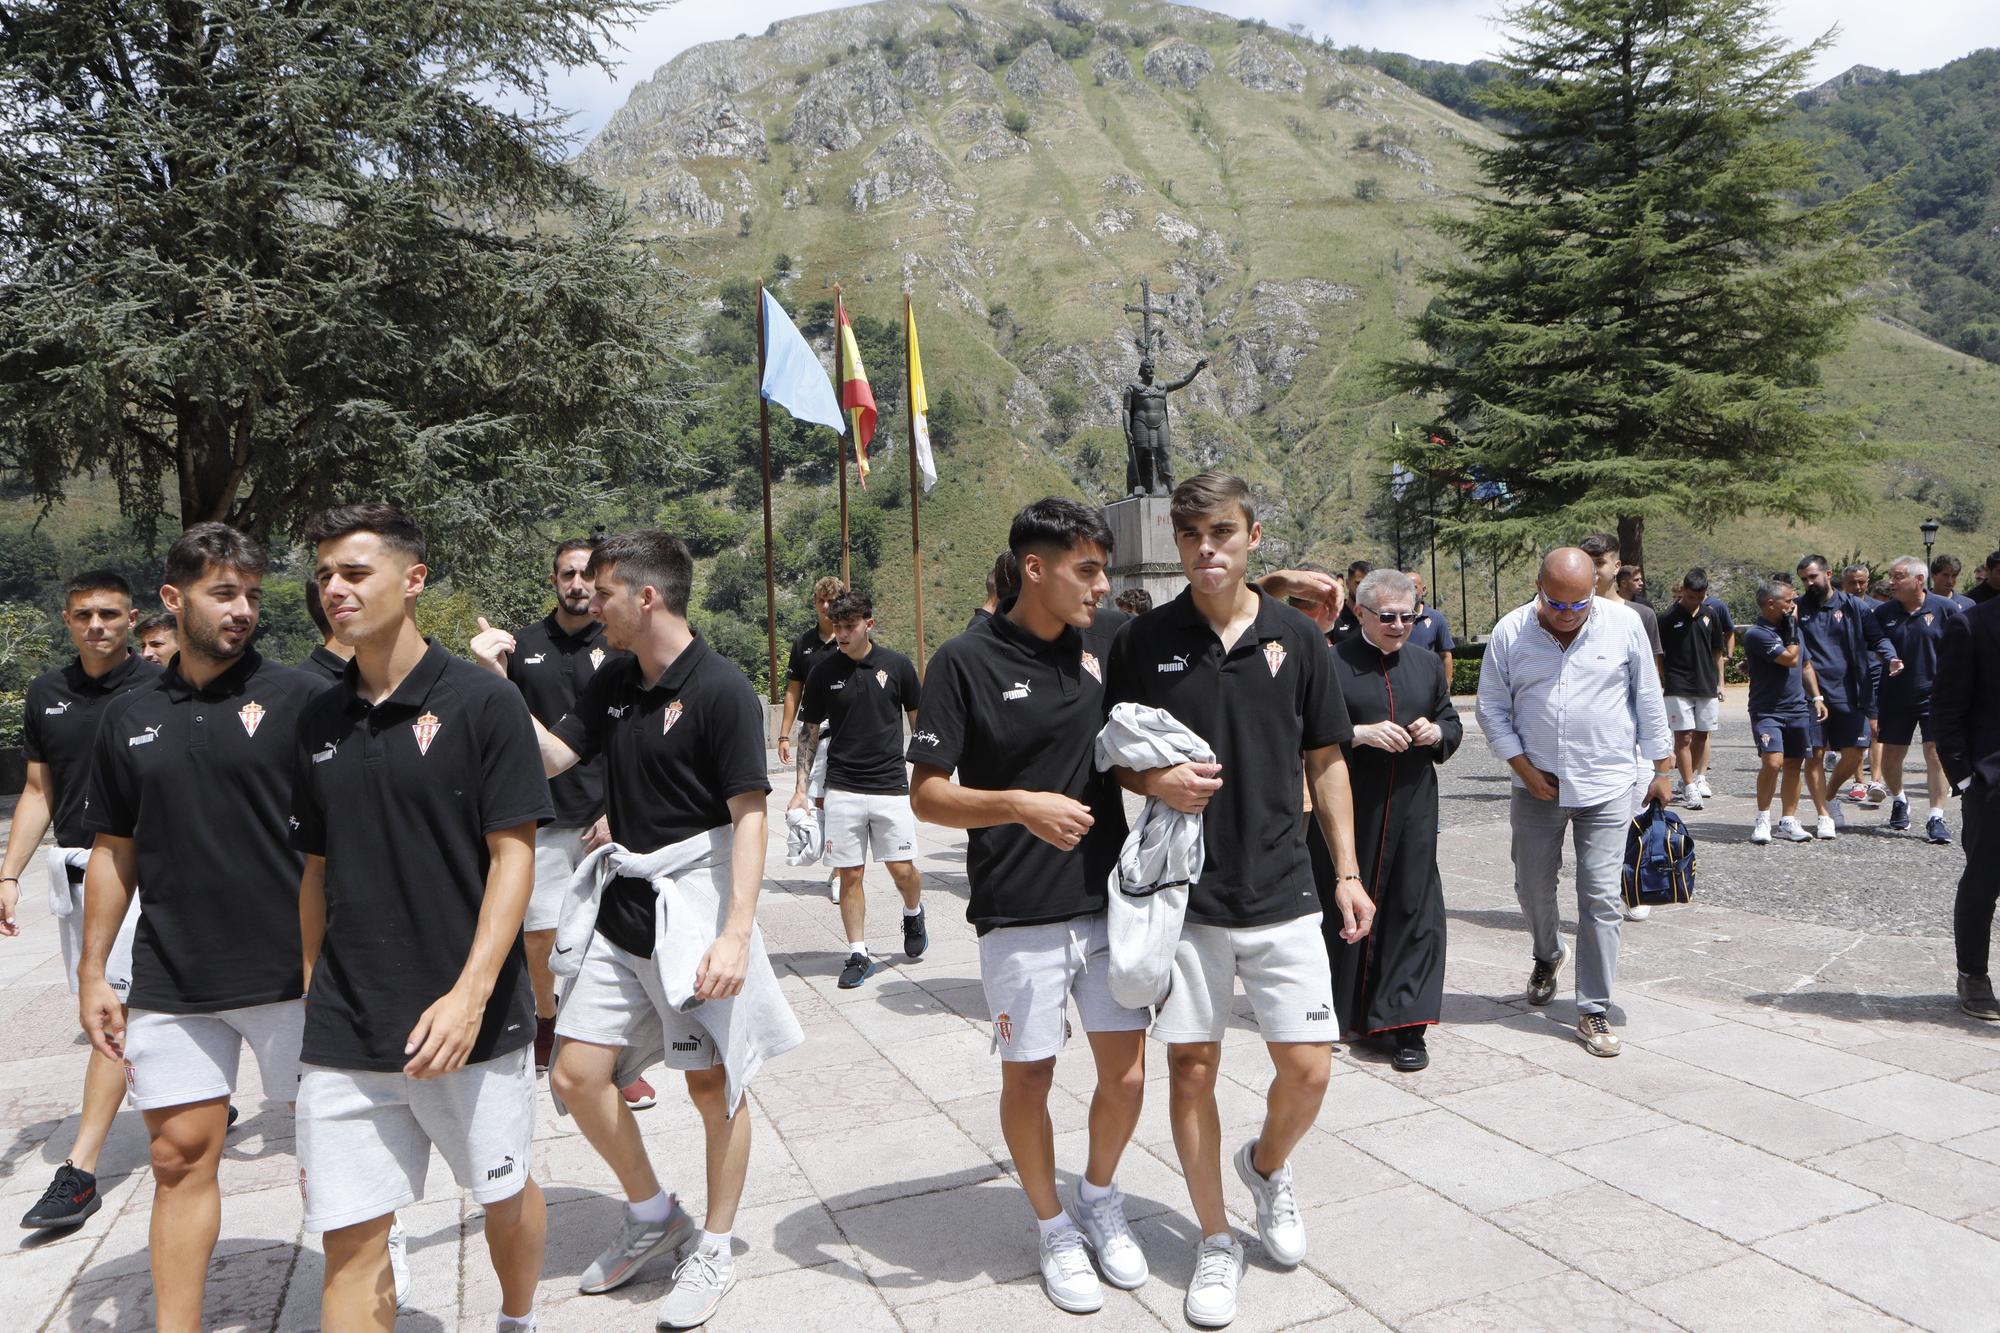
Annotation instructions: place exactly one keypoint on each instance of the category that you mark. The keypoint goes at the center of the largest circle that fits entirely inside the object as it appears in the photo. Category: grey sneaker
(1218, 1267)
(1103, 1224)
(1542, 981)
(700, 1283)
(1594, 1031)
(1975, 996)
(1279, 1225)
(637, 1243)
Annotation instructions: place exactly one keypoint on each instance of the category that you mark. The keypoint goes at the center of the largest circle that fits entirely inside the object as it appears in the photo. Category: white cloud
(1910, 36)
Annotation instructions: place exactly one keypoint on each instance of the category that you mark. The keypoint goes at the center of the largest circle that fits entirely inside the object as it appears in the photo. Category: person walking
(1389, 986)
(813, 641)
(1694, 646)
(1833, 627)
(1965, 704)
(1567, 694)
(1912, 620)
(1786, 708)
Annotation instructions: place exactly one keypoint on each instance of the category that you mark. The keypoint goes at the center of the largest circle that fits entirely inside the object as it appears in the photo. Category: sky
(1907, 35)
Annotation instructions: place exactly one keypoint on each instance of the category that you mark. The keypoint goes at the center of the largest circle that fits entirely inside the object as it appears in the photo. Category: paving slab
(1622, 1241)
(1755, 1295)
(1918, 1105)
(1562, 1303)
(1466, 1163)
(1906, 1262)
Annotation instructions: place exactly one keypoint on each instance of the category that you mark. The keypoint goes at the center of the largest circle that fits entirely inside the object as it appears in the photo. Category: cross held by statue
(1146, 310)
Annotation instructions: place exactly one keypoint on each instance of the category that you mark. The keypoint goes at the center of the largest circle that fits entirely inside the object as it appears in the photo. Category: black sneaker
(1411, 1055)
(70, 1198)
(859, 968)
(1899, 814)
(1936, 832)
(1975, 996)
(916, 937)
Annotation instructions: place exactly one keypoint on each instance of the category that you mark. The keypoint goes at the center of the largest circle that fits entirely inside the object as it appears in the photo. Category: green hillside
(1020, 165)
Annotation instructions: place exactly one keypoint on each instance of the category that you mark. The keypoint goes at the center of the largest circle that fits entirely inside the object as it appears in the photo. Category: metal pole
(916, 501)
(764, 464)
(839, 381)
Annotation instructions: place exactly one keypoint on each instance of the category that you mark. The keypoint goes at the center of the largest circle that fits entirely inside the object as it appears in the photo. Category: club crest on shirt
(1704, 619)
(596, 658)
(670, 716)
(1929, 616)
(882, 679)
(426, 728)
(251, 714)
(1838, 615)
(1274, 655)
(1090, 665)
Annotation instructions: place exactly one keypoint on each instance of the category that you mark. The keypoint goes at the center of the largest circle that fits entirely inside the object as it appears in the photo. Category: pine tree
(261, 257)
(1635, 326)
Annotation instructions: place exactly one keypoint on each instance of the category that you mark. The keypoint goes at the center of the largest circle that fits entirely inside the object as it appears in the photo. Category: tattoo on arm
(808, 748)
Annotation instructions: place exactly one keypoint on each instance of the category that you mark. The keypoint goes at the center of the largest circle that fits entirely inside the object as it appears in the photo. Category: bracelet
(10, 879)
(1341, 879)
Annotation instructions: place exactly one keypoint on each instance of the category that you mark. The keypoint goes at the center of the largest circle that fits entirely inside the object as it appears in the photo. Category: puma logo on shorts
(1319, 1015)
(505, 1168)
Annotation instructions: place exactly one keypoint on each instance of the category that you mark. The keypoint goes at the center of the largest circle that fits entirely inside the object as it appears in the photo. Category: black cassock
(1394, 976)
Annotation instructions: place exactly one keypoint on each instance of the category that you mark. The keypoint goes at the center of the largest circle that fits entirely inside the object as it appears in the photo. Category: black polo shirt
(863, 704)
(1344, 625)
(807, 649)
(201, 781)
(62, 710)
(324, 663)
(1011, 712)
(399, 797)
(1689, 641)
(551, 668)
(674, 754)
(1259, 707)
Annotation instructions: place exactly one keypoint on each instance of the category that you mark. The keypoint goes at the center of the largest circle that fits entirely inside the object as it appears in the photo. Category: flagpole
(839, 384)
(910, 425)
(764, 442)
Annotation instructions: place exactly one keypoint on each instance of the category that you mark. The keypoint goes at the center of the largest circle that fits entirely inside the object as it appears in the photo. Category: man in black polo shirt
(328, 661)
(417, 794)
(682, 735)
(863, 693)
(1014, 705)
(551, 661)
(817, 639)
(215, 963)
(1347, 622)
(159, 637)
(1694, 645)
(1003, 583)
(58, 734)
(1253, 678)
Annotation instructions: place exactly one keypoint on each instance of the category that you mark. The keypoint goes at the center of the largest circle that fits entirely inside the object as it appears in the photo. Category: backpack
(1659, 859)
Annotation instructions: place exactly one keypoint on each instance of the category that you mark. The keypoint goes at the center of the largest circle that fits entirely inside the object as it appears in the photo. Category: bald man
(1567, 692)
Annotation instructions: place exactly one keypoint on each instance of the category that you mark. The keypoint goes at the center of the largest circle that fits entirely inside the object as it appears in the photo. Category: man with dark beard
(1390, 983)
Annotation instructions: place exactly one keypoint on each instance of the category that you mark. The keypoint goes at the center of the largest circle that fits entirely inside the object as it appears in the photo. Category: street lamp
(1929, 528)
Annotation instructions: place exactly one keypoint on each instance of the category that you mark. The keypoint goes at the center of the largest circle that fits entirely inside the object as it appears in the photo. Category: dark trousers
(1979, 886)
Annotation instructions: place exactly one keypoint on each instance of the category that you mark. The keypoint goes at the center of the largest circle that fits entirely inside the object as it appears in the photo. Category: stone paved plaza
(1802, 1133)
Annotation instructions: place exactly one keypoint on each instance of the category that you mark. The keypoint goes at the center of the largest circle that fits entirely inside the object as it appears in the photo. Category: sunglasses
(1554, 605)
(1392, 617)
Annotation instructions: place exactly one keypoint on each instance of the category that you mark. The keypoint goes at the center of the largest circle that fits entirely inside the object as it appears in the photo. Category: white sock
(913, 911)
(858, 946)
(1090, 1193)
(508, 1323)
(715, 1242)
(653, 1211)
(1937, 812)
(1764, 815)
(1060, 1222)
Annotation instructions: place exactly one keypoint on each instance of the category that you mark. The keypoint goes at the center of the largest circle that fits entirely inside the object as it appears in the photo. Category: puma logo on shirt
(1020, 691)
(146, 737)
(536, 660)
(1179, 663)
(56, 710)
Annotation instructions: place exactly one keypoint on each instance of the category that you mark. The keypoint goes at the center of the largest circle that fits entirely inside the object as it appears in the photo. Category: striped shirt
(1580, 714)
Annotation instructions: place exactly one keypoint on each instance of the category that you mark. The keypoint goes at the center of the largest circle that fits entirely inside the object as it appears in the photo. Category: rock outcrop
(906, 163)
(843, 103)
(1039, 72)
(1179, 62)
(1265, 67)
(677, 200)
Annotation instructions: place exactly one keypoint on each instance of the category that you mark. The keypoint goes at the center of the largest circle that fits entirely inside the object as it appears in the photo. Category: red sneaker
(545, 1042)
(638, 1094)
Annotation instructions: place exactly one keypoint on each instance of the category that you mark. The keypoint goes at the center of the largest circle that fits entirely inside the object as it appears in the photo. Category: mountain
(1022, 164)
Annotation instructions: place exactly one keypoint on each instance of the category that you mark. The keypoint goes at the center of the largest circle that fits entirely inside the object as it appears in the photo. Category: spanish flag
(856, 398)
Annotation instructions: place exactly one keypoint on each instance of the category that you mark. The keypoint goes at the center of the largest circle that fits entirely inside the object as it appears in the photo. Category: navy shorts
(1788, 736)
(1843, 730)
(1900, 725)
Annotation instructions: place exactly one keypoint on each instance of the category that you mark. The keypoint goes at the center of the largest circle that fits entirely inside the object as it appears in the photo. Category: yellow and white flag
(920, 429)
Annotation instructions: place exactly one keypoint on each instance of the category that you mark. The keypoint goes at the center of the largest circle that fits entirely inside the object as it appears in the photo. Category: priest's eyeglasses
(1390, 617)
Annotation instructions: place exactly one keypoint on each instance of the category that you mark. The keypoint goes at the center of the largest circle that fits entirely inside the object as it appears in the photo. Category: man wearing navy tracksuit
(1834, 627)
(1912, 620)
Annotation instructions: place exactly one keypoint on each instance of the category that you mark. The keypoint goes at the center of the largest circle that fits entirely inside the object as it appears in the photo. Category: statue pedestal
(1145, 556)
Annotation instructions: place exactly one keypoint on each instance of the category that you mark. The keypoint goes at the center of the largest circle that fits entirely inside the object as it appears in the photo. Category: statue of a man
(1148, 467)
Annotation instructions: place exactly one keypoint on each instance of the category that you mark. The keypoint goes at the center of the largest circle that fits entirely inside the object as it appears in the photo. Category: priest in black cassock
(1390, 984)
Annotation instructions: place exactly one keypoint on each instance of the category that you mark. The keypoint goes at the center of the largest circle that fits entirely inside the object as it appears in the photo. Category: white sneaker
(1218, 1267)
(1791, 830)
(1877, 791)
(1839, 813)
(1279, 1225)
(1631, 913)
(1701, 785)
(1067, 1275)
(1103, 1225)
(700, 1283)
(1829, 828)
(1760, 832)
(399, 1265)
(1691, 798)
